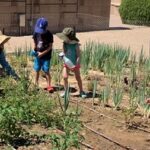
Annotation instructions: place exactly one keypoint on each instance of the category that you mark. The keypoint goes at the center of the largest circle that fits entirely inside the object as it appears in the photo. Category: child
(9, 71)
(72, 52)
(43, 40)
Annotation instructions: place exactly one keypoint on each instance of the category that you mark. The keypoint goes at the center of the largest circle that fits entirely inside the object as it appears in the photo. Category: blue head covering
(41, 25)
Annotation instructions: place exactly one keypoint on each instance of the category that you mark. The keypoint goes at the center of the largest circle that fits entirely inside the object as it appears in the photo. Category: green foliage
(23, 105)
(135, 12)
(104, 57)
(66, 98)
(117, 96)
(9, 126)
(86, 55)
(70, 137)
(19, 106)
(55, 58)
(105, 94)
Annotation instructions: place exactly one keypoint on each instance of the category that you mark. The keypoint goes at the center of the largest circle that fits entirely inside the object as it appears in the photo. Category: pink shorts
(77, 67)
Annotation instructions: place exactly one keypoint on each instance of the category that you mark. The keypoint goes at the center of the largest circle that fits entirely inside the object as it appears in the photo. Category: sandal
(49, 89)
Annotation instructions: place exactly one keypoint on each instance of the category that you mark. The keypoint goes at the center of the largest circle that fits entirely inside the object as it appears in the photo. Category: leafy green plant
(94, 89)
(23, 105)
(66, 98)
(117, 96)
(144, 108)
(70, 137)
(104, 57)
(142, 58)
(10, 128)
(132, 97)
(129, 114)
(86, 56)
(105, 94)
(135, 12)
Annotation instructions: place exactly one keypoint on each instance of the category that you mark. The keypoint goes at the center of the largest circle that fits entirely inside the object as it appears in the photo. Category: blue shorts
(41, 64)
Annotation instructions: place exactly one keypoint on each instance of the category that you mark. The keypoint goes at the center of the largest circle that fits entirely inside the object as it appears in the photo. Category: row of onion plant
(119, 63)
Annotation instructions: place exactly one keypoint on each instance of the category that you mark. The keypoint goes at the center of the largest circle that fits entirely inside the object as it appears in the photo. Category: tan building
(19, 16)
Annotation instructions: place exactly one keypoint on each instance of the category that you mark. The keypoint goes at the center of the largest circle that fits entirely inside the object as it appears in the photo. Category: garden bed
(114, 116)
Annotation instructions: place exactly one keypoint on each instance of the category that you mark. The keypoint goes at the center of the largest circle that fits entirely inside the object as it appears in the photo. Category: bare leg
(37, 78)
(78, 78)
(48, 79)
(65, 76)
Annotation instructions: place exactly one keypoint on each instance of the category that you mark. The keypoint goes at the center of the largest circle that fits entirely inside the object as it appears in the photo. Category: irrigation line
(134, 126)
(108, 138)
(86, 145)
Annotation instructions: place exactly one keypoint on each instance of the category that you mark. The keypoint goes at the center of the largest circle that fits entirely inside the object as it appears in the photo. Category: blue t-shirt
(42, 42)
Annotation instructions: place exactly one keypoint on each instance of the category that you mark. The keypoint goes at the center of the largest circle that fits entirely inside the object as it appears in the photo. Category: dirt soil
(102, 125)
(104, 128)
(102, 119)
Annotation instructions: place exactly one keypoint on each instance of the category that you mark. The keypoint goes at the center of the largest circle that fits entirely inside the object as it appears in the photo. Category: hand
(72, 69)
(39, 54)
(75, 68)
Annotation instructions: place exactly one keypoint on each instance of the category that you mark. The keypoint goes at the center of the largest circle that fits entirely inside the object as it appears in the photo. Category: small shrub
(135, 12)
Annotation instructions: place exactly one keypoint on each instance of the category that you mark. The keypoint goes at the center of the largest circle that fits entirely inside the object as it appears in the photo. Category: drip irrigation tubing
(133, 126)
(108, 138)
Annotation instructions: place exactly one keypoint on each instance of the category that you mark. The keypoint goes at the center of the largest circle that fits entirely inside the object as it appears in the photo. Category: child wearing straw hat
(3, 62)
(43, 40)
(71, 51)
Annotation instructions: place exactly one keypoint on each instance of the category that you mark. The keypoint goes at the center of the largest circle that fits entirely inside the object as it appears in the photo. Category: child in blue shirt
(43, 40)
(72, 52)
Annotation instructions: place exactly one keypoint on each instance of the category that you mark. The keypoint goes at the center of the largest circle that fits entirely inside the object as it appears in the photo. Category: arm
(1, 47)
(64, 50)
(35, 46)
(40, 54)
(34, 40)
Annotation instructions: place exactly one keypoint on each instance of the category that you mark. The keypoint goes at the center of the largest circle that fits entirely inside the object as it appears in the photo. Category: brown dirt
(104, 120)
(127, 36)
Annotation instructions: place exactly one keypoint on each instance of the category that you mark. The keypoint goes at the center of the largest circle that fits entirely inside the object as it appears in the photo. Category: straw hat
(68, 35)
(3, 38)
